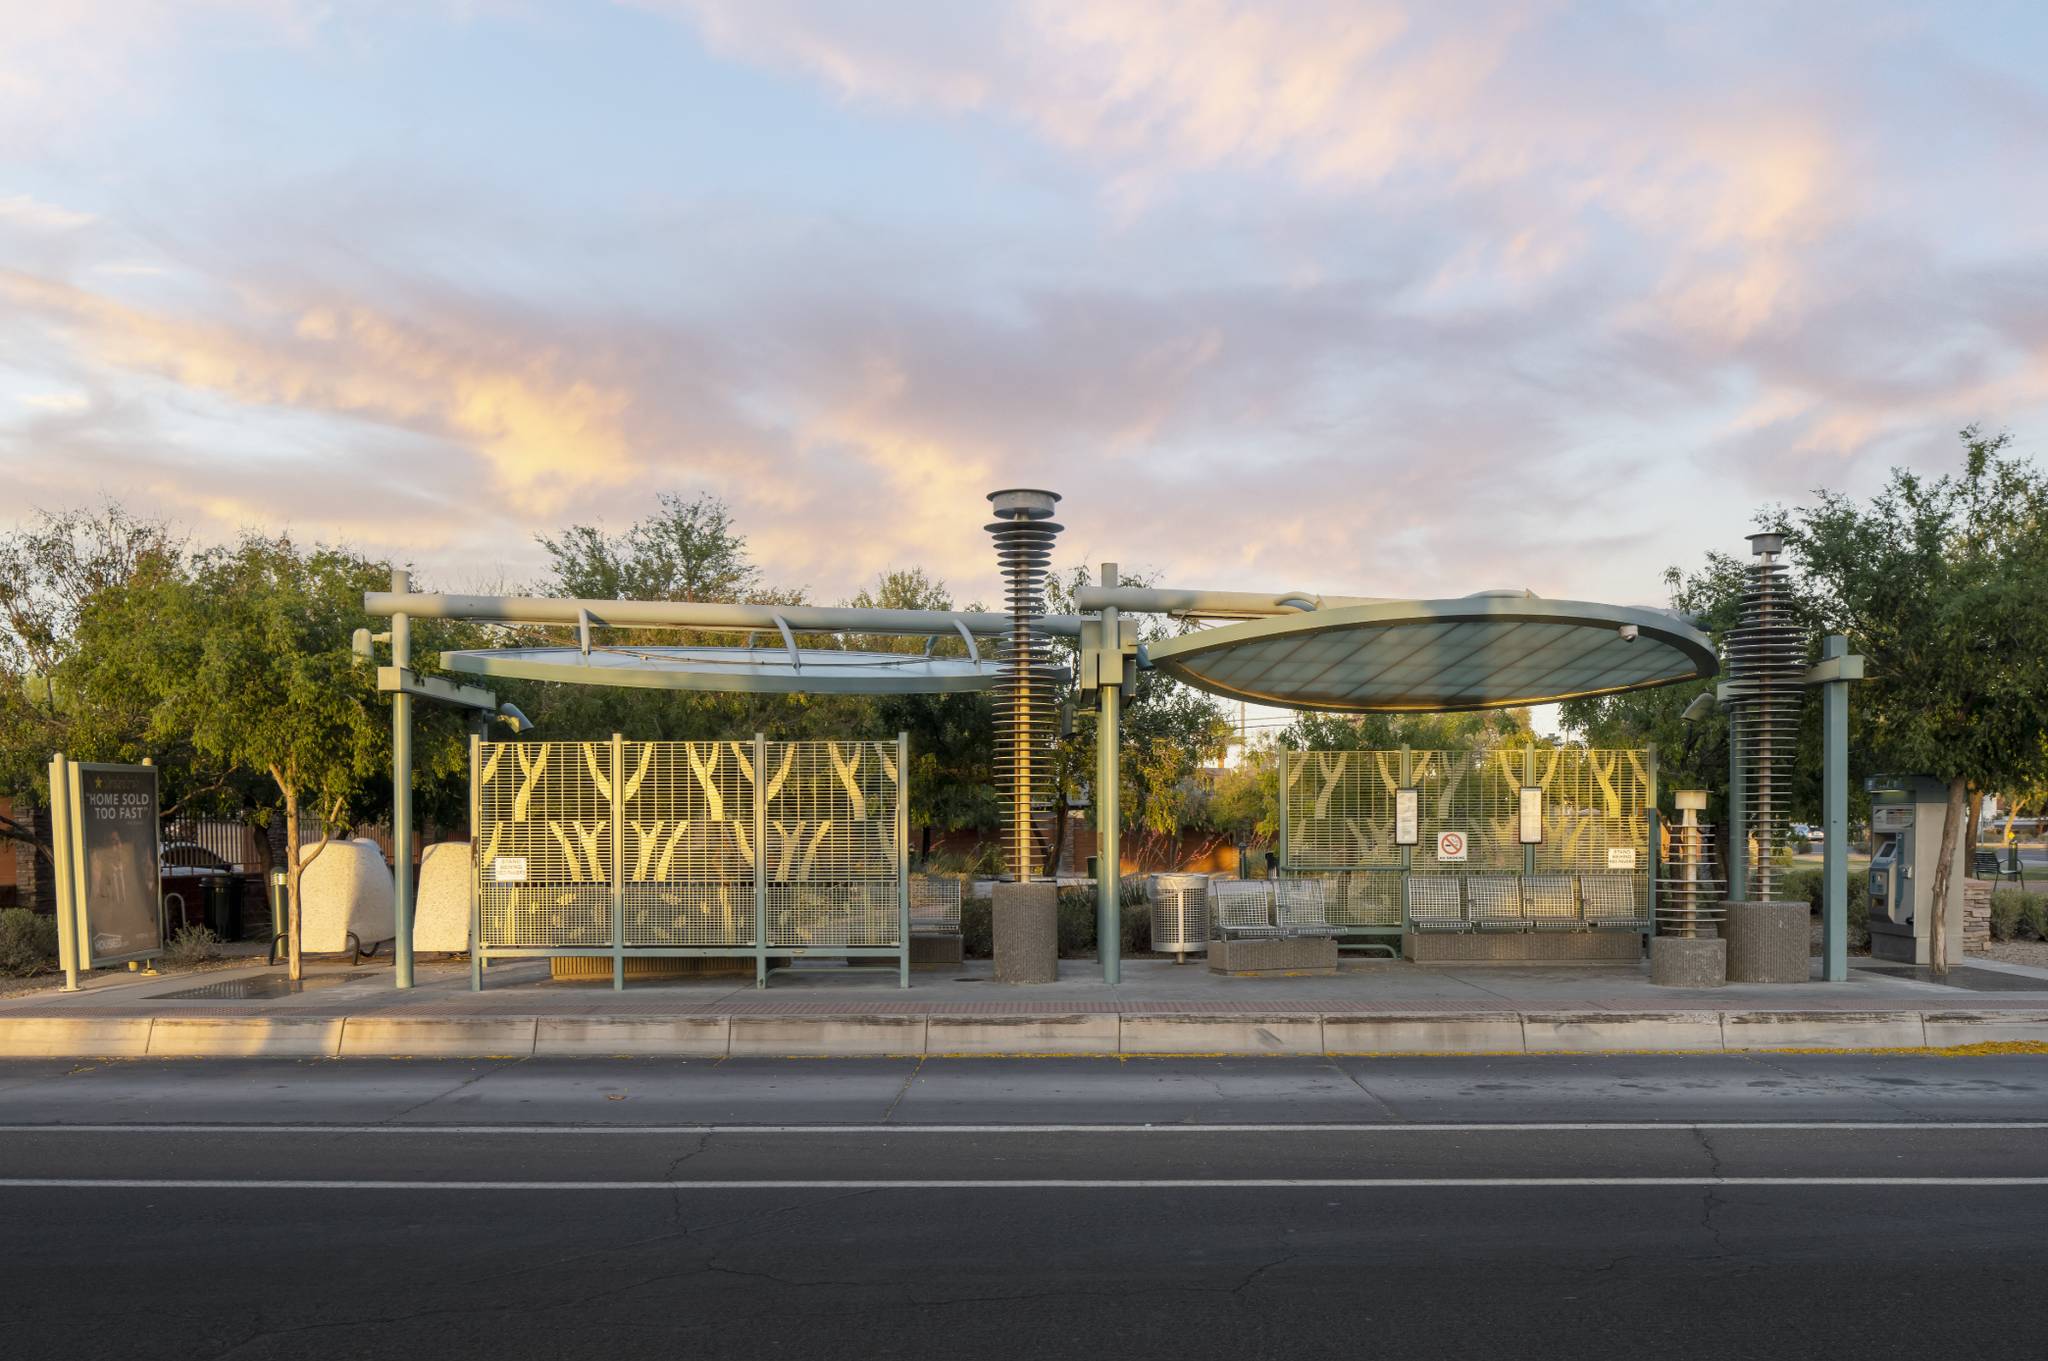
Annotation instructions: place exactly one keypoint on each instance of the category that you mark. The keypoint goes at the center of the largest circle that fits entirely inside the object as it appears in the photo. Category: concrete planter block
(440, 909)
(346, 891)
(1278, 955)
(1026, 920)
(1679, 962)
(1768, 942)
(935, 952)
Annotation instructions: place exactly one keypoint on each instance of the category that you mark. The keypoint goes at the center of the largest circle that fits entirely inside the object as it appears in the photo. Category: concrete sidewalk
(1370, 1007)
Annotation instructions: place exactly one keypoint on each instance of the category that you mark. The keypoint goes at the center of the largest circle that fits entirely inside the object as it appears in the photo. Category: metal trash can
(1180, 914)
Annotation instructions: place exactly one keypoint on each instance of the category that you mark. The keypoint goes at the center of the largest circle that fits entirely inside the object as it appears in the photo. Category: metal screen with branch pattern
(1338, 813)
(683, 848)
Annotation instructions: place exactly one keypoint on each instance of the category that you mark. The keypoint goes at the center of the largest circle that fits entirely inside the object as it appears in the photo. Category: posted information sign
(110, 821)
(1406, 819)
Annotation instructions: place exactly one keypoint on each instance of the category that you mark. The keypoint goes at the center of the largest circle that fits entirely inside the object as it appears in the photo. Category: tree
(687, 550)
(51, 570)
(952, 737)
(1169, 733)
(246, 656)
(1939, 584)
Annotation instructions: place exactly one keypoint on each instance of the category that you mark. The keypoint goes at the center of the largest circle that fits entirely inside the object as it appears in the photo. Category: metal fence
(737, 848)
(1338, 822)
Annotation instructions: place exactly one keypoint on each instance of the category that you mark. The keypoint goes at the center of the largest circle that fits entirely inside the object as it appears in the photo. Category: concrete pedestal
(1280, 955)
(1026, 923)
(1678, 962)
(1768, 942)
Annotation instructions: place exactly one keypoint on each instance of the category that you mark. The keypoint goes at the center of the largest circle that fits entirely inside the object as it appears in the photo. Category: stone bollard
(1026, 922)
(1769, 942)
(1687, 962)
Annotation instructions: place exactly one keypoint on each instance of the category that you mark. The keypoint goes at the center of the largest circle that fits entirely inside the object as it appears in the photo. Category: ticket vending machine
(1906, 813)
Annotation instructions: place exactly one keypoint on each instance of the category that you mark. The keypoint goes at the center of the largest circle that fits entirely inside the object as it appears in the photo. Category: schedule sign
(1406, 822)
(114, 862)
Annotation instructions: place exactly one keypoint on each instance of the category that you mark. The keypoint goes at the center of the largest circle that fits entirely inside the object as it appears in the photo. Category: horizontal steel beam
(1210, 604)
(688, 614)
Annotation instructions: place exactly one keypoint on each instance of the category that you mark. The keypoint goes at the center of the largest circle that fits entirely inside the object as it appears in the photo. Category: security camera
(1628, 633)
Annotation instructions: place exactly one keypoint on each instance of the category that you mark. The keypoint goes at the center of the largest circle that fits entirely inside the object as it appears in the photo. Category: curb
(1079, 1034)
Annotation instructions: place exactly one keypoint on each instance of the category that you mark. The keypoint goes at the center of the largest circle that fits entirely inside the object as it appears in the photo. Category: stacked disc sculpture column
(1024, 912)
(1769, 940)
(1687, 951)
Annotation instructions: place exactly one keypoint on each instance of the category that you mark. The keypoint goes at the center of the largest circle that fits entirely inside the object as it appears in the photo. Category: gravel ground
(2032, 952)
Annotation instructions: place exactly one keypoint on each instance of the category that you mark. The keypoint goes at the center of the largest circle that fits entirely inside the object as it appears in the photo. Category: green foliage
(1169, 733)
(192, 945)
(1939, 583)
(687, 550)
(1692, 755)
(2009, 908)
(1076, 923)
(1808, 883)
(28, 942)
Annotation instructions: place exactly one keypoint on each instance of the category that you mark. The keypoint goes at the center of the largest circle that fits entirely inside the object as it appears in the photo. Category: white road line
(1013, 1184)
(695, 1131)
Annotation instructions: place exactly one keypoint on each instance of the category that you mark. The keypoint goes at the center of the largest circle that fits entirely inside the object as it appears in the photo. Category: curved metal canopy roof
(1415, 656)
(816, 671)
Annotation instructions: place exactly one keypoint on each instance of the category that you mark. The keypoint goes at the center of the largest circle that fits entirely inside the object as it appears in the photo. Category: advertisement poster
(115, 818)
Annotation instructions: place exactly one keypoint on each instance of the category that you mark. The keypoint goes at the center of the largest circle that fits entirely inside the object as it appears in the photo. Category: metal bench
(1435, 903)
(934, 905)
(1300, 908)
(1550, 902)
(1242, 908)
(1987, 865)
(1612, 903)
(1494, 902)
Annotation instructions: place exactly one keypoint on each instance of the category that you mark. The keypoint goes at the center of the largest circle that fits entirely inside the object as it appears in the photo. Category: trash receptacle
(223, 913)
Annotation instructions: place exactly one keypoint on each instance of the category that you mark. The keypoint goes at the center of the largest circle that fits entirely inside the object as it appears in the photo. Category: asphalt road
(1663, 1207)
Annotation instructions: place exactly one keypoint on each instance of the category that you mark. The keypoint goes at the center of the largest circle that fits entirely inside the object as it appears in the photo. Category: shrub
(1801, 884)
(28, 942)
(2009, 908)
(2033, 918)
(192, 945)
(1076, 923)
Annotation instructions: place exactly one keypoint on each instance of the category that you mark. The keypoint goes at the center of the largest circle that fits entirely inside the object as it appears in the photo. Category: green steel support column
(618, 875)
(1738, 820)
(902, 857)
(1834, 937)
(1655, 842)
(401, 789)
(1108, 790)
(476, 882)
(60, 857)
(760, 860)
(1284, 861)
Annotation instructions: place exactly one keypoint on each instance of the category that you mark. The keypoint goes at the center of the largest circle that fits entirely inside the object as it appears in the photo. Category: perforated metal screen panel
(544, 843)
(1338, 820)
(676, 835)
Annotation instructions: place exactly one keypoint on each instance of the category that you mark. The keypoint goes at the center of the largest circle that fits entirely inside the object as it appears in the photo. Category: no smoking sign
(1450, 846)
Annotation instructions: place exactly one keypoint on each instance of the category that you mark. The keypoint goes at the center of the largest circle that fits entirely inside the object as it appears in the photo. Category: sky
(1377, 299)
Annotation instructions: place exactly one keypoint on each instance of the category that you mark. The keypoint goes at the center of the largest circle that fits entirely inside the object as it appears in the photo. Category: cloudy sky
(1357, 297)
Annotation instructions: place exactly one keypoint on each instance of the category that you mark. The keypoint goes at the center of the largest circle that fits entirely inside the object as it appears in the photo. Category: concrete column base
(1769, 942)
(1679, 962)
(1026, 923)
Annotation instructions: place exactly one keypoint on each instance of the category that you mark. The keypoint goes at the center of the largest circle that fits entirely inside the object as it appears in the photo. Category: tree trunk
(1951, 831)
(1976, 825)
(293, 869)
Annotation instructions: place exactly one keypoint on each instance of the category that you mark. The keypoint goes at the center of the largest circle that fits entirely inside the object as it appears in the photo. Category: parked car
(1806, 831)
(190, 860)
